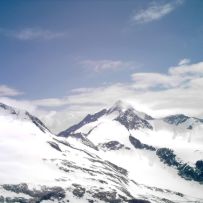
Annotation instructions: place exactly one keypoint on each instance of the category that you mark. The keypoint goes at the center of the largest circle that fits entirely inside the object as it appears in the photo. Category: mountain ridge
(125, 109)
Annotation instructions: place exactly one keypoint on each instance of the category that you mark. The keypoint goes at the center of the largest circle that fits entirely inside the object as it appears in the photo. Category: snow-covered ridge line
(6, 110)
(132, 119)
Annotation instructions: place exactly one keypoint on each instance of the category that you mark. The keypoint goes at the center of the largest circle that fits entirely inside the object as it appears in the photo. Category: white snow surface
(27, 157)
(143, 165)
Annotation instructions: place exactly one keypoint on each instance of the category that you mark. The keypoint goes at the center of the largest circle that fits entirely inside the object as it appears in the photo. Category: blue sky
(53, 51)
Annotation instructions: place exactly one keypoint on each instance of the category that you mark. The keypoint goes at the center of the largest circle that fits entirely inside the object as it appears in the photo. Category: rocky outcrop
(112, 145)
(88, 119)
(36, 195)
(138, 145)
(186, 171)
(132, 121)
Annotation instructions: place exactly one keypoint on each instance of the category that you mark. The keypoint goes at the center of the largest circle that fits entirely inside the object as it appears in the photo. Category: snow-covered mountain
(165, 152)
(116, 155)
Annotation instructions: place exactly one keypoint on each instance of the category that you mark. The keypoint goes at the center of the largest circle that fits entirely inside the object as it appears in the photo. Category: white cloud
(32, 34)
(187, 69)
(184, 62)
(8, 91)
(155, 12)
(50, 102)
(151, 80)
(102, 65)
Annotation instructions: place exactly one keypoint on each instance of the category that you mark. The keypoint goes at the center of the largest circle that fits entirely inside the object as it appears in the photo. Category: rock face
(83, 139)
(181, 119)
(138, 201)
(78, 191)
(54, 145)
(131, 121)
(167, 156)
(112, 145)
(184, 170)
(37, 122)
(137, 144)
(36, 196)
(88, 119)
(176, 119)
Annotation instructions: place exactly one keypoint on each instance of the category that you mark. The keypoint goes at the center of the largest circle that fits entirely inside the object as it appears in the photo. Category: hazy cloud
(31, 34)
(184, 61)
(8, 91)
(151, 80)
(102, 65)
(155, 11)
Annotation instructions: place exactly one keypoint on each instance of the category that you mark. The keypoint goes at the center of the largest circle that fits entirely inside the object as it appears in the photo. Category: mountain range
(115, 155)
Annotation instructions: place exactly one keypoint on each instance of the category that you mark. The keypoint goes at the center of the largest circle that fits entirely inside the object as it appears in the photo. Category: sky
(63, 59)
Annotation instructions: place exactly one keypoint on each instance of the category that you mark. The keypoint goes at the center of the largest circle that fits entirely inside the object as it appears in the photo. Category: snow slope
(37, 166)
(156, 152)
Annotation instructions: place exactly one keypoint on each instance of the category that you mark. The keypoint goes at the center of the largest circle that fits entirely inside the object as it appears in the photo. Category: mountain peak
(179, 119)
(121, 107)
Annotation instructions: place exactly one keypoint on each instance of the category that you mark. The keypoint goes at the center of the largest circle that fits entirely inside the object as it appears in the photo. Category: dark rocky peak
(127, 116)
(118, 106)
(8, 109)
(131, 120)
(176, 119)
(122, 107)
(37, 122)
(179, 119)
(88, 119)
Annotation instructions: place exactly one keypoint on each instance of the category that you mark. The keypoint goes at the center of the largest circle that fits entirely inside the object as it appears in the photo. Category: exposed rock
(138, 201)
(137, 144)
(1, 199)
(190, 173)
(84, 140)
(186, 171)
(117, 168)
(37, 122)
(88, 119)
(79, 191)
(176, 119)
(180, 119)
(16, 200)
(167, 156)
(199, 165)
(54, 145)
(132, 121)
(112, 145)
(45, 193)
(106, 196)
